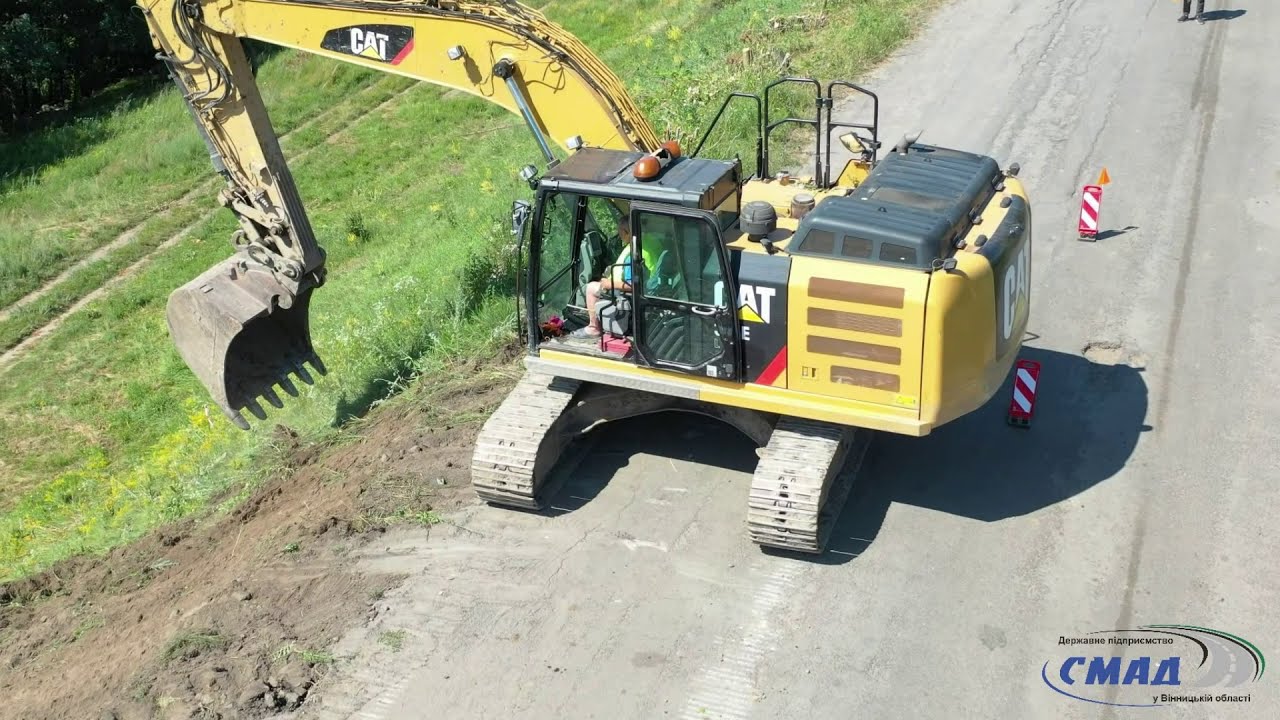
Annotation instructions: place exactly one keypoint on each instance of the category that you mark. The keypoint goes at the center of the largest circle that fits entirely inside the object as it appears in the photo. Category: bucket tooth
(272, 398)
(301, 371)
(236, 418)
(254, 407)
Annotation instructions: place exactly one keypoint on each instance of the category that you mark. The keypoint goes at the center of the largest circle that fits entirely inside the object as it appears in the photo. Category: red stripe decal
(774, 368)
(401, 55)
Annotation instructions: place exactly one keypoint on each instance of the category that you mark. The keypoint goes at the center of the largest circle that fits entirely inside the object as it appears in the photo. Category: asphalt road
(1145, 493)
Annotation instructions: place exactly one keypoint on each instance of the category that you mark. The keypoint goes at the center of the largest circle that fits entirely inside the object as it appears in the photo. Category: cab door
(684, 320)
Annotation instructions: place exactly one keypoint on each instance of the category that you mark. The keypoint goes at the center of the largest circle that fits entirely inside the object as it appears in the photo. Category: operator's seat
(616, 317)
(665, 281)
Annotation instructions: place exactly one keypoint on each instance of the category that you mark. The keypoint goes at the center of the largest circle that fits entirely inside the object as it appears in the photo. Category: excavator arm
(242, 326)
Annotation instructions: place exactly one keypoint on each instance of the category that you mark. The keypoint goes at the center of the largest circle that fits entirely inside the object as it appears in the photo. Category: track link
(801, 483)
(506, 468)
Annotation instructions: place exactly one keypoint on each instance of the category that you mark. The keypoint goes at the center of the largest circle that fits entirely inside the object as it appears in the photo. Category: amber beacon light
(651, 165)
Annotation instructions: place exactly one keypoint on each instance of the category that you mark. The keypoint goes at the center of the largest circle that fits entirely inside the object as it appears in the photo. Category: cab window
(684, 262)
(556, 253)
(604, 241)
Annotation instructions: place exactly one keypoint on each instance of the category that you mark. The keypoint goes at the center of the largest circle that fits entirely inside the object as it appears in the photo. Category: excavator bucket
(241, 331)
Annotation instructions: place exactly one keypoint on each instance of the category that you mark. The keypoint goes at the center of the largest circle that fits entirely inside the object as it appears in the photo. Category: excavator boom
(242, 325)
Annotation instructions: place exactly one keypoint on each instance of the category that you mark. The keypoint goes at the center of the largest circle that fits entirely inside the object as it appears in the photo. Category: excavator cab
(600, 214)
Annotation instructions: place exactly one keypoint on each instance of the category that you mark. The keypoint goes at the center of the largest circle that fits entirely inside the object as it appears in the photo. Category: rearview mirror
(519, 217)
(853, 143)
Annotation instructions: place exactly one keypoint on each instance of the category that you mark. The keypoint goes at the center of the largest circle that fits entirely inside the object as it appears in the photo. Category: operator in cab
(618, 280)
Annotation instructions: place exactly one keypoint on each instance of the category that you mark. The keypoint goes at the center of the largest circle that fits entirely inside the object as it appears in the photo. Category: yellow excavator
(807, 311)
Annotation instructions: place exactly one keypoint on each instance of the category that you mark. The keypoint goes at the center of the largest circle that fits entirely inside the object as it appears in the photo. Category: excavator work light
(647, 168)
(456, 52)
(651, 165)
(529, 174)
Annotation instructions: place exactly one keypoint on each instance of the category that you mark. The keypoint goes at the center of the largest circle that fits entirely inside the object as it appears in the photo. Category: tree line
(56, 53)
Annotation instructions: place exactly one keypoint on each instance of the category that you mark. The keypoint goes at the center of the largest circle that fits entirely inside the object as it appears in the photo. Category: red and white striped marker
(1025, 378)
(1090, 207)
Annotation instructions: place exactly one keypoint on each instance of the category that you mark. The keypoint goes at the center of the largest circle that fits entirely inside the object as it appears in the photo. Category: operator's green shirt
(622, 268)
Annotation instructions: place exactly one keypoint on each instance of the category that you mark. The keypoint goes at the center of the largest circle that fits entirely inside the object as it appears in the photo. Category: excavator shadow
(679, 437)
(1088, 417)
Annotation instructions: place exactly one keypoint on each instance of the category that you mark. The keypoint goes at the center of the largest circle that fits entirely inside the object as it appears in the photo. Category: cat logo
(383, 43)
(755, 302)
(369, 44)
(1016, 289)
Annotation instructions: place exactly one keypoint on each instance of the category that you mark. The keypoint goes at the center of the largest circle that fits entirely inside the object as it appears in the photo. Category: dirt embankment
(231, 617)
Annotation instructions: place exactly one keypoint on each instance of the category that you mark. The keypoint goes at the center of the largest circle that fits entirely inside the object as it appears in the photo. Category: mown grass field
(104, 431)
(71, 190)
(154, 217)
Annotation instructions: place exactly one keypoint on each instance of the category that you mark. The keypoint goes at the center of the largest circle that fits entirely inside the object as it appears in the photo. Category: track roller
(525, 437)
(510, 460)
(800, 485)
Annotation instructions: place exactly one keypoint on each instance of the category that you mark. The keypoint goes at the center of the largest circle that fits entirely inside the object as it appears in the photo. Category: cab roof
(690, 182)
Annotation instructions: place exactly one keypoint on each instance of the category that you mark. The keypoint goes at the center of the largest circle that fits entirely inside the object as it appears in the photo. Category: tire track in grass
(124, 238)
(208, 185)
(16, 352)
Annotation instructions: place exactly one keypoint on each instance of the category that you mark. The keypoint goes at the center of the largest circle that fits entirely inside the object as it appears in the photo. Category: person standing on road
(1186, 8)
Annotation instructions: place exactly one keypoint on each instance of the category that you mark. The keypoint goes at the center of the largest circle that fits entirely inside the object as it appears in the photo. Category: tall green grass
(126, 163)
(150, 233)
(105, 431)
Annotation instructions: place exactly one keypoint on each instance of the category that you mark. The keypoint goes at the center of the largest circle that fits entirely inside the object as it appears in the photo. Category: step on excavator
(807, 311)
